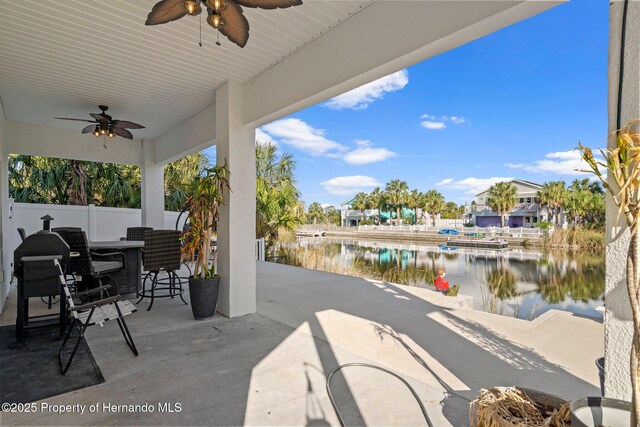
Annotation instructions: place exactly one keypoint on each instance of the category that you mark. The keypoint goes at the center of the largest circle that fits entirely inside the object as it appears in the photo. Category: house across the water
(527, 212)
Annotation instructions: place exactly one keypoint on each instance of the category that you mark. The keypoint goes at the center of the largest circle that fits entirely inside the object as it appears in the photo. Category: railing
(260, 249)
(423, 228)
(512, 231)
(320, 226)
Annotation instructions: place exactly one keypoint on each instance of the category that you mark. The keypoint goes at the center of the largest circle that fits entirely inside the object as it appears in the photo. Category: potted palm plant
(622, 182)
(205, 196)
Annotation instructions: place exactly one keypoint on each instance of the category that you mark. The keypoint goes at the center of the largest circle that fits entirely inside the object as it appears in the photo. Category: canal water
(512, 282)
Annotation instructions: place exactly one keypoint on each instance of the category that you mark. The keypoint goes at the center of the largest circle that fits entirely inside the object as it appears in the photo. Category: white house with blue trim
(527, 212)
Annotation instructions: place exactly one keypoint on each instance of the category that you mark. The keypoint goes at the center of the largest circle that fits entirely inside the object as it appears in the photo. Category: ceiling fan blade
(102, 118)
(269, 4)
(88, 129)
(126, 124)
(236, 26)
(123, 133)
(165, 11)
(77, 120)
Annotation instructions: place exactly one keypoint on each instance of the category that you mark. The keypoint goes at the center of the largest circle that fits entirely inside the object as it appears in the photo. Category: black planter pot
(598, 411)
(600, 365)
(203, 294)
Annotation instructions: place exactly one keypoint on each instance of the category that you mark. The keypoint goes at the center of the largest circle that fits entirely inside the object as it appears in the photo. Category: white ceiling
(62, 58)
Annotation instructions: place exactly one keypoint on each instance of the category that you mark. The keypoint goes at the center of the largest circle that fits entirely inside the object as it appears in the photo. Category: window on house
(521, 200)
(526, 219)
(528, 199)
(535, 219)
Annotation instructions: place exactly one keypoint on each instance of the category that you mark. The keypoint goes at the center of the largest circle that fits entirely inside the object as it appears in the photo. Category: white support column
(618, 324)
(5, 256)
(91, 220)
(152, 188)
(237, 228)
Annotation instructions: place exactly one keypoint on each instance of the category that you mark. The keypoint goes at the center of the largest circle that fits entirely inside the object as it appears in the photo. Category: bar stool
(162, 252)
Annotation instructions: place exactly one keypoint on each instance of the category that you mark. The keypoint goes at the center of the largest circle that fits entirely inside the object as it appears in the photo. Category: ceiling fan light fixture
(96, 132)
(192, 7)
(217, 4)
(111, 134)
(215, 20)
(103, 131)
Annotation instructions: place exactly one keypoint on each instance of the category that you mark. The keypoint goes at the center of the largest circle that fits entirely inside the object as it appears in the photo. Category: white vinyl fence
(100, 223)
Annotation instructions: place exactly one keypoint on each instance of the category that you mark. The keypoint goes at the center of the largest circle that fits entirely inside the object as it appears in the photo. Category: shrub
(543, 225)
(575, 238)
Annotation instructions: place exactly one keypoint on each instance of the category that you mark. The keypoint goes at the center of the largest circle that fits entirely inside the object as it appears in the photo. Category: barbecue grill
(38, 277)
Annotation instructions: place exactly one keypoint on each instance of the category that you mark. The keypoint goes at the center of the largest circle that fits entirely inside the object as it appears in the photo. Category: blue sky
(513, 104)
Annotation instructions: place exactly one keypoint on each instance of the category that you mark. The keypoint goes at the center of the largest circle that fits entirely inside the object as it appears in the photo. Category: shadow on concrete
(209, 367)
(474, 354)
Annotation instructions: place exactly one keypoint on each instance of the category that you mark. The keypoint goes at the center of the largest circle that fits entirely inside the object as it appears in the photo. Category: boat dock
(311, 233)
(479, 243)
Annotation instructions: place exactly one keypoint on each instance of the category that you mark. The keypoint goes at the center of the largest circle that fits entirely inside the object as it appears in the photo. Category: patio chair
(22, 233)
(56, 229)
(92, 313)
(162, 252)
(137, 233)
(84, 265)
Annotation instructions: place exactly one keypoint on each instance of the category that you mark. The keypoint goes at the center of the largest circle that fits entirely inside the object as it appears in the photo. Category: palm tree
(315, 213)
(360, 202)
(580, 185)
(395, 195)
(415, 201)
(77, 190)
(502, 198)
(434, 204)
(277, 197)
(375, 201)
(552, 195)
(178, 175)
(332, 215)
(452, 211)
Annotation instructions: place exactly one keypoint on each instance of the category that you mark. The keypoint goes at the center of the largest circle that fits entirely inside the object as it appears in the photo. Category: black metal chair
(162, 252)
(92, 313)
(137, 233)
(56, 229)
(83, 264)
(22, 233)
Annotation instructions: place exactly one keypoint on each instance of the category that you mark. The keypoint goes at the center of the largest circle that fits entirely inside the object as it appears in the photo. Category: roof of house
(520, 181)
(347, 202)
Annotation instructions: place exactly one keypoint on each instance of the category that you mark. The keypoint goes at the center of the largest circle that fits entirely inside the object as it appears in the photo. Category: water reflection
(513, 282)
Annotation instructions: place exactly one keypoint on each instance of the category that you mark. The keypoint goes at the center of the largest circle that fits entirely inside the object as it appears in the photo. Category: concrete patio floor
(270, 368)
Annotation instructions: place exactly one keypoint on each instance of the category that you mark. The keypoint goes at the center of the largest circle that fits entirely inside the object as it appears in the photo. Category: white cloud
(560, 163)
(349, 185)
(470, 185)
(433, 125)
(302, 136)
(437, 123)
(263, 139)
(360, 98)
(366, 154)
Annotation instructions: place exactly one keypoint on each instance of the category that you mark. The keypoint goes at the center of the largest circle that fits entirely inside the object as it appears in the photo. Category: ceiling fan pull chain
(218, 41)
(200, 42)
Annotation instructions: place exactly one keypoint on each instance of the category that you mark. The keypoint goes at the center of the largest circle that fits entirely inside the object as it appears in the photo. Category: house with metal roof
(526, 213)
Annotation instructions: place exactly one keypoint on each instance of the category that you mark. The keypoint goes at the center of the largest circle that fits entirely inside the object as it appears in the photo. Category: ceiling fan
(224, 15)
(106, 125)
